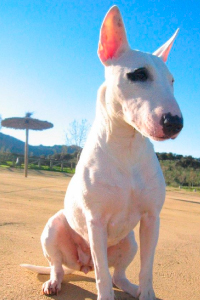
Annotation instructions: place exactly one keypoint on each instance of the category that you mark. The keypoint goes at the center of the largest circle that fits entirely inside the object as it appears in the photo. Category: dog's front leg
(98, 244)
(149, 231)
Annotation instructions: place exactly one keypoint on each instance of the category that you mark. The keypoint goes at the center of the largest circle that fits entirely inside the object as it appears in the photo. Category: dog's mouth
(157, 133)
(163, 138)
(154, 134)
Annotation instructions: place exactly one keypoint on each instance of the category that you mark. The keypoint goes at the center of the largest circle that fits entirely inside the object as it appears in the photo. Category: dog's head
(139, 85)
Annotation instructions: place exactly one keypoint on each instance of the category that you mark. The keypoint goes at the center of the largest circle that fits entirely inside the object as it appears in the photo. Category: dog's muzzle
(171, 125)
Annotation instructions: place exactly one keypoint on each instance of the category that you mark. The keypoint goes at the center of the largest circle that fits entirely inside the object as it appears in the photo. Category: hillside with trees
(10, 144)
(180, 170)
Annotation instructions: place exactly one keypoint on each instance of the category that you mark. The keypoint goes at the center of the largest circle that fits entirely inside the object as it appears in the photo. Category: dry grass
(27, 203)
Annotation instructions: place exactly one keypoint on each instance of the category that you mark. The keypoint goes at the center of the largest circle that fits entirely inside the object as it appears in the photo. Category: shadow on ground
(188, 201)
(72, 291)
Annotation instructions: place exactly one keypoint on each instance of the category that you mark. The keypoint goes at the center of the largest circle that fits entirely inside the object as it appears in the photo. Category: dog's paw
(51, 287)
(108, 296)
(147, 294)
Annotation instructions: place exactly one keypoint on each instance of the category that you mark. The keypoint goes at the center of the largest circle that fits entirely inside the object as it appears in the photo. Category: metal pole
(26, 155)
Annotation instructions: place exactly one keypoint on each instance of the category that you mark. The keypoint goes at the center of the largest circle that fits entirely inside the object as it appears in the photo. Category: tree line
(180, 160)
(180, 170)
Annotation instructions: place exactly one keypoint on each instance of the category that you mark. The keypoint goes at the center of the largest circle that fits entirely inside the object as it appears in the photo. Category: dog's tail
(43, 270)
(37, 269)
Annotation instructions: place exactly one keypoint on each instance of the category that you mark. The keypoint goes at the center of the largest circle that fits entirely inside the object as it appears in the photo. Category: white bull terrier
(118, 180)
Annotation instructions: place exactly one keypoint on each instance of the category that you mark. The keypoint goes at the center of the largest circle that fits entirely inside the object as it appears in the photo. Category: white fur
(118, 180)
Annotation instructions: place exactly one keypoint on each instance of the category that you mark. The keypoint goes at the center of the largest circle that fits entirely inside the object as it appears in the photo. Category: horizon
(49, 62)
(72, 145)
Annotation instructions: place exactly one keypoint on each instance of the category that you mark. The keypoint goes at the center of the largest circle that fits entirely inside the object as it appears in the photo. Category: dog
(118, 180)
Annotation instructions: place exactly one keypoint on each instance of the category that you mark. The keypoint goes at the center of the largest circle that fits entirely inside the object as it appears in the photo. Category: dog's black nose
(171, 124)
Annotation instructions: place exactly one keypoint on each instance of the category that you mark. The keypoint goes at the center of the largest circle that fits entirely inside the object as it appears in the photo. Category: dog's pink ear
(164, 50)
(113, 41)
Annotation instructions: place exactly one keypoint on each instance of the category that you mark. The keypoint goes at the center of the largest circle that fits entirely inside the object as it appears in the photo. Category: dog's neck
(115, 136)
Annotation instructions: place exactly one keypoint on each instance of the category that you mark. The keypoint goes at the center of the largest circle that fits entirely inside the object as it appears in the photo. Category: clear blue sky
(49, 65)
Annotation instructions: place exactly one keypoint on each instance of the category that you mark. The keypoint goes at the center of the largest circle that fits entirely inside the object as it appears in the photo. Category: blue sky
(49, 63)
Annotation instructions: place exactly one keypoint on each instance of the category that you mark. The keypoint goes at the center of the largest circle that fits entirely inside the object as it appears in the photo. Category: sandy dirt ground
(27, 203)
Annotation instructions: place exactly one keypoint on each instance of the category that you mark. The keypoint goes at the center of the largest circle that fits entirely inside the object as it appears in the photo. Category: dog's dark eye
(140, 74)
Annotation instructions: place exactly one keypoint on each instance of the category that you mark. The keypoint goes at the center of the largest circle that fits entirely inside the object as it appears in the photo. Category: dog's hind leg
(53, 285)
(59, 249)
(51, 250)
(119, 257)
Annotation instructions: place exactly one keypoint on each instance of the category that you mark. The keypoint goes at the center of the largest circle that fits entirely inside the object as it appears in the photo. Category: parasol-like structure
(26, 123)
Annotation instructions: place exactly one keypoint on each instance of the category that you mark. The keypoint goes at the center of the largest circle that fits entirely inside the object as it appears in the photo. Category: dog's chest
(118, 195)
(122, 199)
(118, 198)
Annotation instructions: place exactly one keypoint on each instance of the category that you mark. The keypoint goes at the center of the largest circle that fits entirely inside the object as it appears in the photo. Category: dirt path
(25, 206)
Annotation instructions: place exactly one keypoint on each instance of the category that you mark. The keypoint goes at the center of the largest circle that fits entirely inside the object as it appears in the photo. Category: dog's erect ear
(113, 41)
(164, 50)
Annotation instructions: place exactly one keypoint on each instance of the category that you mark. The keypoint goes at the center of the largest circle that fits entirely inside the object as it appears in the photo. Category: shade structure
(27, 123)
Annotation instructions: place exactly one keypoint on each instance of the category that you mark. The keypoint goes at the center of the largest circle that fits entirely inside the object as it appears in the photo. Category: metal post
(51, 164)
(26, 155)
